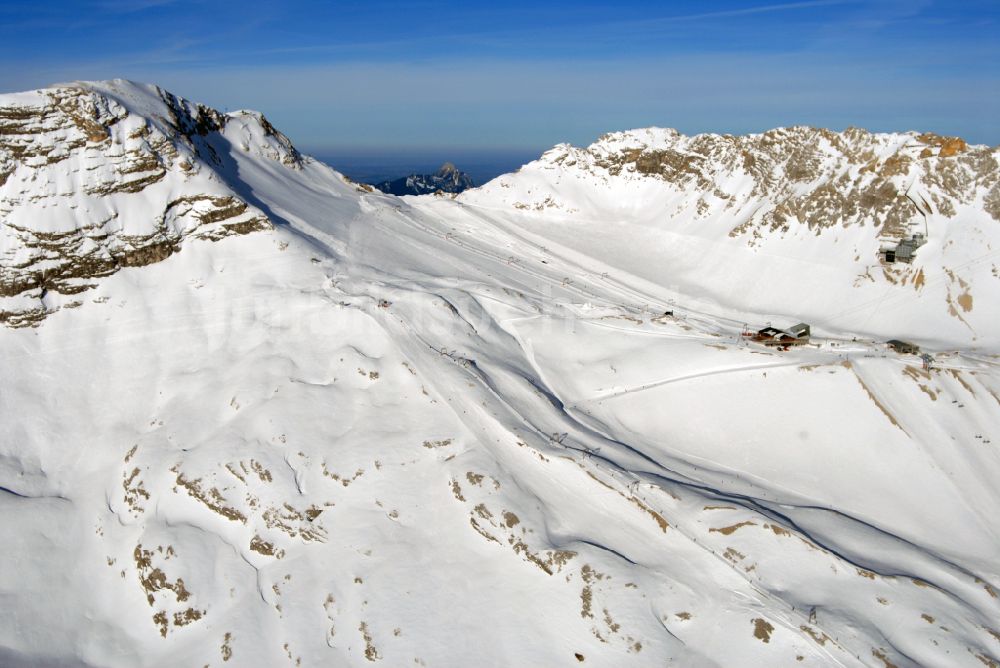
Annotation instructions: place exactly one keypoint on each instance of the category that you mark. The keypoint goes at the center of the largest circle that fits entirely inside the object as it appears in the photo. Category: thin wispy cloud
(512, 37)
(749, 11)
(132, 6)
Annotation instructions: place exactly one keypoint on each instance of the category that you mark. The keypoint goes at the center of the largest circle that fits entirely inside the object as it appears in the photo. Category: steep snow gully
(436, 431)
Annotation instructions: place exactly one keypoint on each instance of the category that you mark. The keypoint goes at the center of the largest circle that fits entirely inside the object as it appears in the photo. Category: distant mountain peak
(447, 179)
(447, 169)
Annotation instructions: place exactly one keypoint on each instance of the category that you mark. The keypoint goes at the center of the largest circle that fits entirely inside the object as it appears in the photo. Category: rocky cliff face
(99, 176)
(773, 181)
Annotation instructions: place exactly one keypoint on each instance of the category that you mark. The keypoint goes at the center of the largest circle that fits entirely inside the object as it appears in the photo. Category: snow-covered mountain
(293, 421)
(447, 179)
(789, 222)
(101, 177)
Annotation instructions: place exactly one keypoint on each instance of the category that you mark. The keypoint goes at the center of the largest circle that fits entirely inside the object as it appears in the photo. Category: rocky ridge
(783, 178)
(94, 177)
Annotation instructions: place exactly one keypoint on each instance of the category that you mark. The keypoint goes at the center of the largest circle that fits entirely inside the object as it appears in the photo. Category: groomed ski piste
(443, 432)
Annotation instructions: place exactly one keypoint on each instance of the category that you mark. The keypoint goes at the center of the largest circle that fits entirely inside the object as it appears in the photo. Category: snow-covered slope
(427, 432)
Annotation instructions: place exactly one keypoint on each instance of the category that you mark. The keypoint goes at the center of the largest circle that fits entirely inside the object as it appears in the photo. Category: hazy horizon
(377, 164)
(389, 75)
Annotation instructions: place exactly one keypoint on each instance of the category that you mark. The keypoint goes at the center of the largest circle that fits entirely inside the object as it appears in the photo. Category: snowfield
(461, 431)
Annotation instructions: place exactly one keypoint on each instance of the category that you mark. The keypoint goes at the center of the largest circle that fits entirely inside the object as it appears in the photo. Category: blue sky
(472, 75)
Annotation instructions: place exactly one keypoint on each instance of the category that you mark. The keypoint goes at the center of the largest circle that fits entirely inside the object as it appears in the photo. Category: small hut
(904, 251)
(795, 335)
